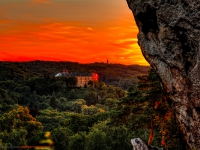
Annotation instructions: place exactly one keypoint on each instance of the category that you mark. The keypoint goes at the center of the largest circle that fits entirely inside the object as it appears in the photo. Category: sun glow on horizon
(59, 39)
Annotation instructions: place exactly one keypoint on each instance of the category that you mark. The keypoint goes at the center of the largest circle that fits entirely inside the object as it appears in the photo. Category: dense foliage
(111, 74)
(146, 111)
(37, 109)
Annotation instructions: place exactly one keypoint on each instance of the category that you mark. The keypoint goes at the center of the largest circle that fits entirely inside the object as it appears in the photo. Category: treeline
(37, 109)
(111, 74)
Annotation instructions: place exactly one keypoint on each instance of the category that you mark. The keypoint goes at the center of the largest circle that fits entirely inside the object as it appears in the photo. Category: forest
(127, 102)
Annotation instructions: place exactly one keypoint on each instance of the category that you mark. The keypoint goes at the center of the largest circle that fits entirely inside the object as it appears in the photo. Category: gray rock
(138, 144)
(169, 37)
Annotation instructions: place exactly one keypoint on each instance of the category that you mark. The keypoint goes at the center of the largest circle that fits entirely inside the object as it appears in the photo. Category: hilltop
(112, 74)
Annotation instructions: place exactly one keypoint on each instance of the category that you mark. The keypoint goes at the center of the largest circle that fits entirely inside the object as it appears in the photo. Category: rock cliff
(169, 37)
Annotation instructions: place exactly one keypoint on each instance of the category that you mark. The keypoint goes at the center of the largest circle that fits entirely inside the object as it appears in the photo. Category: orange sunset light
(68, 30)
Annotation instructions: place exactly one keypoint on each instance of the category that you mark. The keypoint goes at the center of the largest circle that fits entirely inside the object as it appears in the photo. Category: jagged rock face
(169, 37)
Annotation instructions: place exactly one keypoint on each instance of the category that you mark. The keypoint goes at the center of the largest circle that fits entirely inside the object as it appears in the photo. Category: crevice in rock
(148, 19)
(197, 110)
(188, 46)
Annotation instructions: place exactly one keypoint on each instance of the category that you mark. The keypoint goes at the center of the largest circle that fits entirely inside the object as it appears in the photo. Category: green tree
(143, 105)
(19, 134)
(79, 122)
(77, 105)
(89, 110)
(119, 92)
(54, 102)
(110, 102)
(61, 137)
(90, 97)
(77, 141)
(96, 139)
(72, 94)
(19, 123)
(25, 93)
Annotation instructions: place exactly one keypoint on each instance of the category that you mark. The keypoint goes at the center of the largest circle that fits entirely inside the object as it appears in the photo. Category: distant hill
(112, 74)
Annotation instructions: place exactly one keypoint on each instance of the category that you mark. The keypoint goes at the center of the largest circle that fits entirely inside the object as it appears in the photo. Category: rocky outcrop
(138, 144)
(169, 37)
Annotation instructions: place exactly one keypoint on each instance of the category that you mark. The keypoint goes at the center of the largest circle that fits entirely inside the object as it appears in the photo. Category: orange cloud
(2, 22)
(38, 30)
(41, 1)
(71, 41)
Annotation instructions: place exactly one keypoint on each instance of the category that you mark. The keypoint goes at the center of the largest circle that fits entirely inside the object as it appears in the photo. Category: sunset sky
(82, 31)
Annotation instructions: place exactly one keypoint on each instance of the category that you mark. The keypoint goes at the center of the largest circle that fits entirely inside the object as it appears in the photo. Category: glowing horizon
(76, 31)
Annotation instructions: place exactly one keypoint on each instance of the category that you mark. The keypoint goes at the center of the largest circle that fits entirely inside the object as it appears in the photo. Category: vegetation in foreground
(97, 117)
